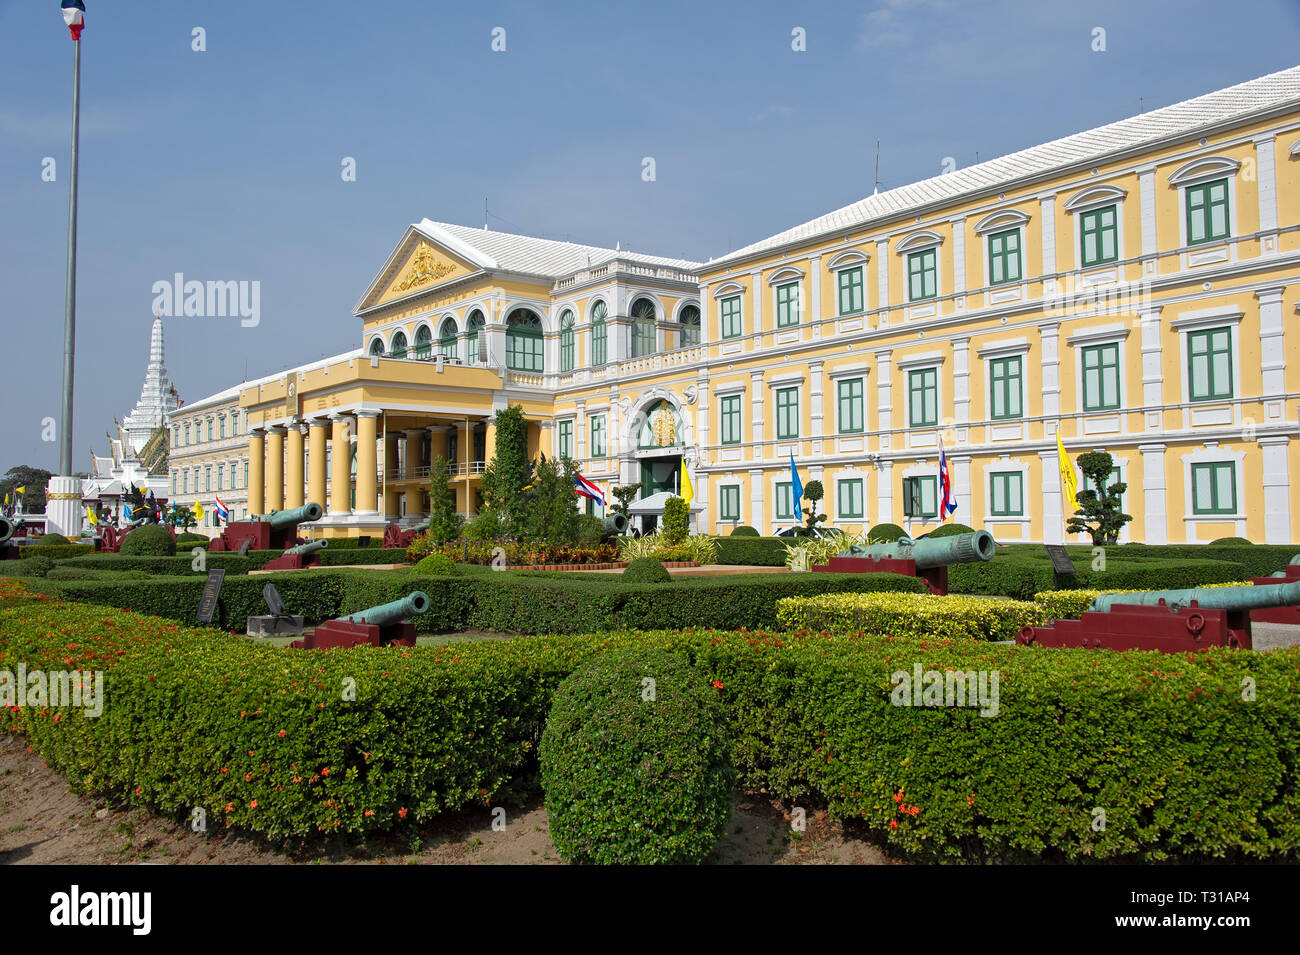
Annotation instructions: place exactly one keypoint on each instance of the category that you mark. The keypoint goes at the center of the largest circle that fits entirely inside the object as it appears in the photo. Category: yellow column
(293, 469)
(392, 496)
(490, 441)
(256, 461)
(341, 465)
(274, 468)
(367, 462)
(316, 473)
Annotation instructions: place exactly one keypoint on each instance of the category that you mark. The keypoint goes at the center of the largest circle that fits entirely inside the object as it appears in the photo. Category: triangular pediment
(419, 264)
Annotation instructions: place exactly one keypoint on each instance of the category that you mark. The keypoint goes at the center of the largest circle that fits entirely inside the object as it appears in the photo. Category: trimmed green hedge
(510, 602)
(1181, 764)
(751, 551)
(182, 564)
(337, 556)
(57, 551)
(916, 615)
(1020, 575)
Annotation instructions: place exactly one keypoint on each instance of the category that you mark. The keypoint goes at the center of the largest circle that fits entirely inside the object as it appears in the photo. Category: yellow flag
(22, 490)
(1069, 480)
(198, 511)
(90, 516)
(688, 490)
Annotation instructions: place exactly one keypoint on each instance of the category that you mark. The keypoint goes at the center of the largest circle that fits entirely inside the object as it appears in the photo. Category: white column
(884, 406)
(758, 519)
(702, 408)
(882, 280)
(961, 478)
(1053, 506)
(1147, 212)
(815, 294)
(63, 510)
(580, 431)
(1265, 169)
(961, 381)
(1272, 345)
(1049, 339)
(959, 257)
(885, 493)
(816, 404)
(759, 290)
(756, 400)
(1153, 493)
(613, 427)
(1277, 490)
(1153, 376)
(708, 314)
(618, 327)
(1047, 207)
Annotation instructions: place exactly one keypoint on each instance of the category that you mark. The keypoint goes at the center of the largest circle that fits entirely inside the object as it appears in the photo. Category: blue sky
(225, 164)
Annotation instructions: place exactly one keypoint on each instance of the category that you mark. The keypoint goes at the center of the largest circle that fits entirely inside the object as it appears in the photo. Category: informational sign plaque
(1061, 562)
(211, 591)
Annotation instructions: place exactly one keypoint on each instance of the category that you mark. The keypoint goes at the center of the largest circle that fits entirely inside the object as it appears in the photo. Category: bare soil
(43, 822)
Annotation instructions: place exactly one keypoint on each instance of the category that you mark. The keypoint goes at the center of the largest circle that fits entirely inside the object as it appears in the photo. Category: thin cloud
(897, 22)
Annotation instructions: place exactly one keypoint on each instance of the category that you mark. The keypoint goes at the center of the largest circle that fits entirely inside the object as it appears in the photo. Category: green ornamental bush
(949, 530)
(885, 534)
(46, 539)
(744, 530)
(435, 565)
(192, 539)
(1230, 542)
(149, 539)
(646, 570)
(634, 762)
(677, 520)
(34, 566)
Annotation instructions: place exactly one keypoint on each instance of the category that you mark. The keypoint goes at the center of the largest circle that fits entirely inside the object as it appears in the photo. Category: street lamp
(64, 497)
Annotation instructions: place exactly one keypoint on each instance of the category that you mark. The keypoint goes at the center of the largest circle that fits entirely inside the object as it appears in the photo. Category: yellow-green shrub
(916, 615)
(1068, 604)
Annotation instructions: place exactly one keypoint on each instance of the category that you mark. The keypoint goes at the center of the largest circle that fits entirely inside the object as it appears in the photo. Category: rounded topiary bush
(52, 539)
(646, 570)
(949, 530)
(1230, 542)
(885, 533)
(435, 565)
(188, 538)
(149, 540)
(634, 762)
(744, 530)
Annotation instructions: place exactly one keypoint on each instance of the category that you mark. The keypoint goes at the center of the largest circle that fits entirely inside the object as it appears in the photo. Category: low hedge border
(1013, 575)
(1166, 745)
(751, 551)
(910, 615)
(1070, 604)
(56, 551)
(508, 601)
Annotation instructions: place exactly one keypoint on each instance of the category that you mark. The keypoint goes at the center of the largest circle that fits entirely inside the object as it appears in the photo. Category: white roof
(523, 253)
(1184, 118)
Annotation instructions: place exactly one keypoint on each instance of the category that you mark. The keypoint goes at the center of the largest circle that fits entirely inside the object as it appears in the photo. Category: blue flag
(796, 489)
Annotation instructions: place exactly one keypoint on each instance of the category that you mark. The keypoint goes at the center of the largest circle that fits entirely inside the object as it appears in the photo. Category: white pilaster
(756, 413)
(1153, 376)
(757, 518)
(815, 404)
(1049, 339)
(961, 478)
(1153, 493)
(1047, 206)
(882, 280)
(1265, 169)
(961, 381)
(1272, 344)
(1053, 506)
(815, 295)
(885, 493)
(1277, 490)
(959, 255)
(884, 406)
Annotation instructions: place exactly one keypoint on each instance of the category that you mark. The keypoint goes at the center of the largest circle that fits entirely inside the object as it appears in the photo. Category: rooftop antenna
(485, 214)
(977, 155)
(876, 190)
(1140, 107)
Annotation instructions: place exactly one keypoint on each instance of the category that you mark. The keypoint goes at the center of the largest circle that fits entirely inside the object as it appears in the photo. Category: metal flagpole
(70, 293)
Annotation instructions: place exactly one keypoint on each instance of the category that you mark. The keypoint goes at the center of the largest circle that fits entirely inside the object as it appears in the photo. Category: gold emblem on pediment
(424, 268)
(664, 426)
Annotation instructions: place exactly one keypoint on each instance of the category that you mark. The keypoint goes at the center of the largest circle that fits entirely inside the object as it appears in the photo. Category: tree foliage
(677, 520)
(625, 494)
(813, 492)
(444, 522)
(1099, 513)
(33, 479)
(510, 470)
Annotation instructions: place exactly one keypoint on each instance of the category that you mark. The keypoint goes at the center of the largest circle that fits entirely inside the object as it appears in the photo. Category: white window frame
(849, 259)
(921, 241)
(1086, 200)
(1115, 334)
(1004, 220)
(1003, 464)
(1203, 319)
(1195, 173)
(1005, 348)
(1211, 453)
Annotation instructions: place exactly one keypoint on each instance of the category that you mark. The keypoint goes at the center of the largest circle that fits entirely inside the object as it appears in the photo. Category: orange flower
(717, 684)
(401, 813)
(893, 824)
(248, 777)
(370, 812)
(898, 796)
(325, 771)
(253, 804)
(282, 734)
(230, 806)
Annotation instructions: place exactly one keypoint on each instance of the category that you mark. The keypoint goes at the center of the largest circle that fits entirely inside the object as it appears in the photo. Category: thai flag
(222, 512)
(74, 15)
(585, 488)
(949, 504)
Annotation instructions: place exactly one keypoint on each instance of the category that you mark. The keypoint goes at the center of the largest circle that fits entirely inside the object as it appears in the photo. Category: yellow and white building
(1134, 287)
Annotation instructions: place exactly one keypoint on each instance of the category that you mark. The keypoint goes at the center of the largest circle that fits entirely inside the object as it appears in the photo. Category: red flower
(893, 824)
(717, 684)
(370, 812)
(898, 796)
(401, 813)
(253, 804)
(137, 790)
(282, 734)
(325, 771)
(229, 806)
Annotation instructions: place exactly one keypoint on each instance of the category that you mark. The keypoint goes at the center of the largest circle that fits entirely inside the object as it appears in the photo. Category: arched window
(447, 339)
(524, 341)
(690, 321)
(661, 427)
(474, 328)
(377, 348)
(643, 327)
(567, 346)
(598, 334)
(423, 342)
(398, 348)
